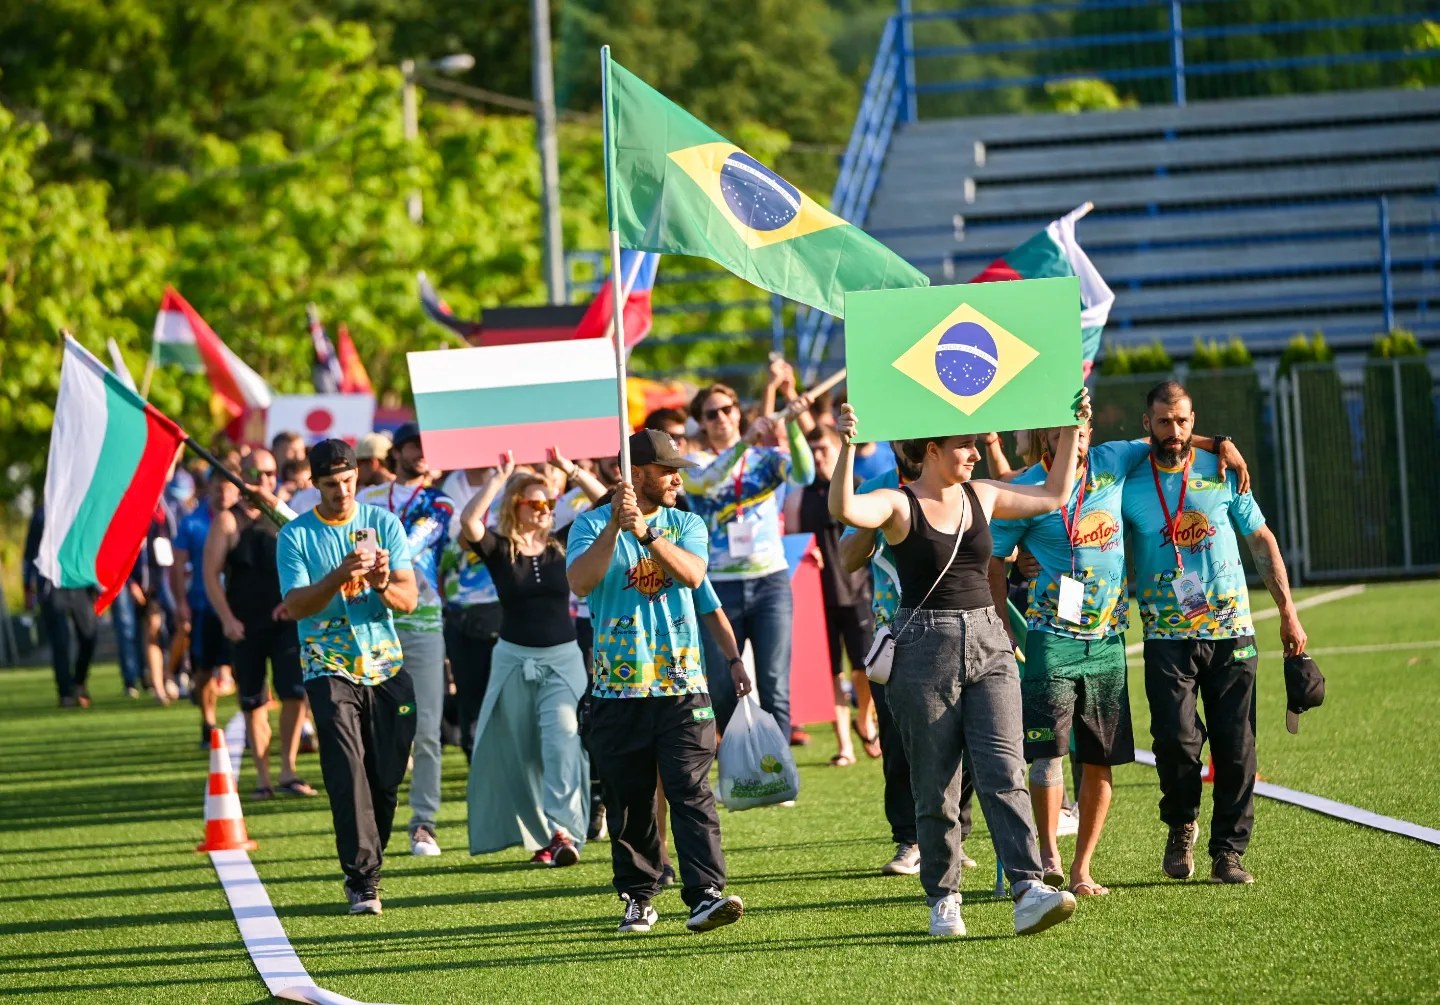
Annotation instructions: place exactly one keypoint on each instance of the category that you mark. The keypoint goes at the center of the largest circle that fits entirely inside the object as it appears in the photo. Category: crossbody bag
(881, 657)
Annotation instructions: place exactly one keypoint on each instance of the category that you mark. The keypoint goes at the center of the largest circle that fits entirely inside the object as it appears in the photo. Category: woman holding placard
(953, 684)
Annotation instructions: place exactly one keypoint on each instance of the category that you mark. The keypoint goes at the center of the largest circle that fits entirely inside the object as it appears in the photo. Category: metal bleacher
(1256, 217)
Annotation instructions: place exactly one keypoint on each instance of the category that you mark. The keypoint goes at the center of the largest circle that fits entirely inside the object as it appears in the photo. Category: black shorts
(849, 630)
(1074, 684)
(275, 642)
(209, 648)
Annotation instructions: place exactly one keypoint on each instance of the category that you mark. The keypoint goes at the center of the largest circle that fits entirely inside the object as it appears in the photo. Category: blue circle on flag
(759, 197)
(966, 358)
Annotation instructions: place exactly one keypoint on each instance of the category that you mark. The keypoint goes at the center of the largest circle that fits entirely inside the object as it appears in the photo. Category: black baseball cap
(654, 446)
(331, 457)
(1304, 689)
(406, 433)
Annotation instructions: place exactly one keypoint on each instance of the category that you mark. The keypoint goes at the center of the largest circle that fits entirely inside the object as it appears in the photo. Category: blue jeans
(127, 637)
(760, 610)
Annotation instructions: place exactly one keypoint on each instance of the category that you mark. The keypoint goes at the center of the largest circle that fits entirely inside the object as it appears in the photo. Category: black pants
(365, 735)
(470, 637)
(73, 629)
(849, 631)
(267, 641)
(899, 800)
(630, 738)
(1176, 671)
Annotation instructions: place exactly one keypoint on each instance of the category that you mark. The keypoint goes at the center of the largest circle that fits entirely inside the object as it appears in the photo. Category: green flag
(976, 358)
(676, 186)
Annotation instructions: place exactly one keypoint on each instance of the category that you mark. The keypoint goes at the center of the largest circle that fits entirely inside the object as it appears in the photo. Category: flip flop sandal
(263, 792)
(298, 787)
(870, 743)
(842, 760)
(1089, 889)
(1055, 878)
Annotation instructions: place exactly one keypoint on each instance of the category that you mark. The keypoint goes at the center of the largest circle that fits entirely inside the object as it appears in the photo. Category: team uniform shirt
(1099, 553)
(354, 635)
(465, 579)
(741, 487)
(190, 538)
(426, 515)
(884, 580)
(1213, 510)
(647, 636)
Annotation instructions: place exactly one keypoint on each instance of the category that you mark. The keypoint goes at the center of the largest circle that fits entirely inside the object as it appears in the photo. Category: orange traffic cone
(224, 821)
(1207, 773)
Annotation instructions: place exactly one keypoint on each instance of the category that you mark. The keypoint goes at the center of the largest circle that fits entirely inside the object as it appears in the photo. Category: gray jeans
(425, 659)
(955, 688)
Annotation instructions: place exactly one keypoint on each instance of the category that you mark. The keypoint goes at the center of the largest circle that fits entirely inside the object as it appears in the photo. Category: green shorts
(1080, 685)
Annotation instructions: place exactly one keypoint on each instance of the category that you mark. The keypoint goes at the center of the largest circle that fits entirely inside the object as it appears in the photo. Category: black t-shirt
(534, 593)
(252, 575)
(920, 558)
(840, 588)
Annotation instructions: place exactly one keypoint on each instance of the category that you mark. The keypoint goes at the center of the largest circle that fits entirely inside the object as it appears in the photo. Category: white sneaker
(1041, 907)
(423, 843)
(1069, 823)
(945, 917)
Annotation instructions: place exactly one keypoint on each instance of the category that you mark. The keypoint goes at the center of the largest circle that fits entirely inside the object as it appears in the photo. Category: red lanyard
(1172, 524)
(1072, 522)
(739, 479)
(390, 502)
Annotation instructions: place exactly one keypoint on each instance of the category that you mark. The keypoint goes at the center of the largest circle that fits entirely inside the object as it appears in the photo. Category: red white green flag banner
(111, 453)
(1054, 253)
(183, 338)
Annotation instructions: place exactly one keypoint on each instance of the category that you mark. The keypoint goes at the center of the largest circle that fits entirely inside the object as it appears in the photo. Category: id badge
(742, 539)
(1190, 595)
(164, 554)
(1072, 599)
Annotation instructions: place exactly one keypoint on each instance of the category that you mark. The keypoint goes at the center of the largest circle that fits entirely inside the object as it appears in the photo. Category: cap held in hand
(1304, 689)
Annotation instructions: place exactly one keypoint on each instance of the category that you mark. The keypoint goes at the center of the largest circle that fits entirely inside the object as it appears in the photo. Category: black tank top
(252, 578)
(924, 552)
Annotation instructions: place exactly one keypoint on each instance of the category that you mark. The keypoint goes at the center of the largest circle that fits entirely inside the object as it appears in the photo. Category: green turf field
(102, 898)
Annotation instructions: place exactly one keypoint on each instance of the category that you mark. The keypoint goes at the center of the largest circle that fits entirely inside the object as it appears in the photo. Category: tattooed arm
(1266, 552)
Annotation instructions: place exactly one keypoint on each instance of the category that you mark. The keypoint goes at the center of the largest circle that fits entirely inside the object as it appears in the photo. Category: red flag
(353, 377)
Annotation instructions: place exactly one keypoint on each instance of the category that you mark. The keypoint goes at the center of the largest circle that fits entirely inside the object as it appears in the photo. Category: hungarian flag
(439, 311)
(111, 453)
(676, 186)
(183, 338)
(637, 280)
(325, 371)
(354, 379)
(1052, 254)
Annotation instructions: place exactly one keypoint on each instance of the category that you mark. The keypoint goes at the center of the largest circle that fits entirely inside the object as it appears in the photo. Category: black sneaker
(639, 915)
(667, 875)
(714, 911)
(1227, 869)
(596, 831)
(1179, 862)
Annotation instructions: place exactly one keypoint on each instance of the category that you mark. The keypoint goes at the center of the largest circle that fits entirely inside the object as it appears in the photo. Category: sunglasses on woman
(711, 414)
(542, 505)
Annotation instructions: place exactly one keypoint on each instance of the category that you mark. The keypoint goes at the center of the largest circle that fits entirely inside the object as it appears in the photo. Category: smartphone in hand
(366, 541)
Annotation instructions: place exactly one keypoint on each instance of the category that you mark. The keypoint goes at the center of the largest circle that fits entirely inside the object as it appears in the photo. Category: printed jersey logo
(648, 578)
(1195, 532)
(1098, 530)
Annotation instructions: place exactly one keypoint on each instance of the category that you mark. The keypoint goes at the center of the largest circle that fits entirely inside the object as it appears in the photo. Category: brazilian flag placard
(677, 187)
(976, 358)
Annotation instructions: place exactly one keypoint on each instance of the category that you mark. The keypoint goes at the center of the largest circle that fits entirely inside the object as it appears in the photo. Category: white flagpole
(618, 294)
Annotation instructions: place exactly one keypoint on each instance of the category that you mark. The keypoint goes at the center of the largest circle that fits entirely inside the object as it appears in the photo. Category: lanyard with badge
(1072, 592)
(1189, 591)
(390, 501)
(741, 535)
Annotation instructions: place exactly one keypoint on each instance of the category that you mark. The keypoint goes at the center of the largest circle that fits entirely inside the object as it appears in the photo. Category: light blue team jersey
(354, 635)
(760, 473)
(1213, 511)
(1099, 556)
(885, 581)
(647, 636)
(466, 578)
(425, 515)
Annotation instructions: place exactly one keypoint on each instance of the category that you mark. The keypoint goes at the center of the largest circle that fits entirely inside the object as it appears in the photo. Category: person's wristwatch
(650, 535)
(1220, 441)
(733, 660)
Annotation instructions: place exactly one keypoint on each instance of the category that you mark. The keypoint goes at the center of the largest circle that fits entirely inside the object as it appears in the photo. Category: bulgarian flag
(675, 186)
(1054, 253)
(184, 339)
(111, 454)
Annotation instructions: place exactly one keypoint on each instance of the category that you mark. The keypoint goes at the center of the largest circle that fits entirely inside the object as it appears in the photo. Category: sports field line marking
(269, 947)
(1331, 808)
(1339, 593)
(1377, 647)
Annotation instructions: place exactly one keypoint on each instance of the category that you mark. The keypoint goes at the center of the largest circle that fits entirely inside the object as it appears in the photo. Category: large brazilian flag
(676, 186)
(952, 360)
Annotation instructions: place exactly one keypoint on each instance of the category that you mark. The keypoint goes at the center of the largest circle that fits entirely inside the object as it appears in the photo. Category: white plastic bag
(756, 767)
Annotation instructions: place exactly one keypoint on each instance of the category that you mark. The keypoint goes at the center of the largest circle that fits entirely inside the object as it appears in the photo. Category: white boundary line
(1377, 647)
(1339, 593)
(1329, 807)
